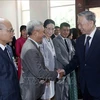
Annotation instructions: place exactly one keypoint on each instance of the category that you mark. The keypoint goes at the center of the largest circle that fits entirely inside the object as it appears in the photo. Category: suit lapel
(93, 44)
(37, 48)
(34, 45)
(4, 56)
(62, 42)
(70, 45)
(82, 47)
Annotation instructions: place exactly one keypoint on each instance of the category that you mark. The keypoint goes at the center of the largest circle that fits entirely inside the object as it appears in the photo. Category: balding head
(6, 31)
(4, 23)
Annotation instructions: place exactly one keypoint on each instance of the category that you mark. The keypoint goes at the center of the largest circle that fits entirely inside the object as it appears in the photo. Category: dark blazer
(9, 85)
(89, 66)
(53, 36)
(34, 72)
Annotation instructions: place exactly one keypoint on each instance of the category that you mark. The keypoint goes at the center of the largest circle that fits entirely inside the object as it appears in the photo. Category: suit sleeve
(73, 64)
(33, 62)
(60, 58)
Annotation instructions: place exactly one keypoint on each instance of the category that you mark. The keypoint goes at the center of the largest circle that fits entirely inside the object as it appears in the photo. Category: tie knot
(64, 39)
(88, 38)
(5, 49)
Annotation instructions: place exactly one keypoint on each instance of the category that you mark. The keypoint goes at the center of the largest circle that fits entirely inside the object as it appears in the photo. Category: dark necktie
(66, 45)
(7, 53)
(87, 45)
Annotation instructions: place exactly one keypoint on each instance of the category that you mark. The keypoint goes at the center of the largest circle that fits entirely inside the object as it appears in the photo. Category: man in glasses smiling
(9, 86)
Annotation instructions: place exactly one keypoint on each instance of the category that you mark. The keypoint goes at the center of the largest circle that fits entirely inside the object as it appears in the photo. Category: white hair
(33, 25)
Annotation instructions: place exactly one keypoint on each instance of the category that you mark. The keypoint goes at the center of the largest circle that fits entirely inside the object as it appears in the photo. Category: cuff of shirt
(58, 75)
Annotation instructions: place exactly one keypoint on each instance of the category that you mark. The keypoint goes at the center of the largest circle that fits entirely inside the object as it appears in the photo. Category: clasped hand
(61, 73)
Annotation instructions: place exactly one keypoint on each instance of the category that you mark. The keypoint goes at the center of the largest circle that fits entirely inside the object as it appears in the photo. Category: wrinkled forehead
(6, 23)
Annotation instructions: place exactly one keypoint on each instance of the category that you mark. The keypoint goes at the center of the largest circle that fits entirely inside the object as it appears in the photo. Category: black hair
(57, 27)
(64, 24)
(48, 21)
(22, 27)
(74, 31)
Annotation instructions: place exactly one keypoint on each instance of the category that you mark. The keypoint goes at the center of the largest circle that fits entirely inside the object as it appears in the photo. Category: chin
(83, 33)
(40, 42)
(10, 40)
(49, 34)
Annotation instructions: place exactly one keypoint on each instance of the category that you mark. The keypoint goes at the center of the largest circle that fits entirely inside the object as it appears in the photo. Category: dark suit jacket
(34, 71)
(53, 36)
(89, 66)
(9, 85)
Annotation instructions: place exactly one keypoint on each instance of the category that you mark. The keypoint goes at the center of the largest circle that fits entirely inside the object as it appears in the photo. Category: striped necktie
(87, 45)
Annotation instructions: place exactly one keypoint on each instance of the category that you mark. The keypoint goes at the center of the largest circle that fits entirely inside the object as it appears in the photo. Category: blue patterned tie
(7, 53)
(87, 45)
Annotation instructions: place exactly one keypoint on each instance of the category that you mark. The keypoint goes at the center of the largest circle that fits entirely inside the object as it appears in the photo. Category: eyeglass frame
(9, 30)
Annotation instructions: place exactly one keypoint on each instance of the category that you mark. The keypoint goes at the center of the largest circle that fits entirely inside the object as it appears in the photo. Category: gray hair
(33, 25)
(88, 15)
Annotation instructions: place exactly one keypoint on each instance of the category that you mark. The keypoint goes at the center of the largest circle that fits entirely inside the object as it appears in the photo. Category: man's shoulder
(57, 38)
(28, 44)
(28, 48)
(81, 37)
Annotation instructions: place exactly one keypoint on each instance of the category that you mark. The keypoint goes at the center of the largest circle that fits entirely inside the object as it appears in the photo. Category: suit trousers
(87, 96)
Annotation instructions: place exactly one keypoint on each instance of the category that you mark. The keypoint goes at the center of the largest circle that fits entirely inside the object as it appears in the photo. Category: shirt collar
(34, 42)
(2, 47)
(62, 37)
(92, 33)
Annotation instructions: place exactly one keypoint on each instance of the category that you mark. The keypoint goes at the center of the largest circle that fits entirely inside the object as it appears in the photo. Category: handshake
(61, 73)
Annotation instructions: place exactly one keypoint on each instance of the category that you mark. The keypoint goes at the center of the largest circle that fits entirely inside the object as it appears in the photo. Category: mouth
(50, 34)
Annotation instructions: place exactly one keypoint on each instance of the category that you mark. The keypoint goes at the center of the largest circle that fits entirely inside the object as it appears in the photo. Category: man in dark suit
(56, 32)
(35, 74)
(9, 85)
(87, 56)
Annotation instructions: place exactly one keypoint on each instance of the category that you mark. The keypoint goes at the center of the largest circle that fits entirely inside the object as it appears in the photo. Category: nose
(13, 33)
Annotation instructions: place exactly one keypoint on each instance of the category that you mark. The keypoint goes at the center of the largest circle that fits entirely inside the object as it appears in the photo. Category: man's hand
(61, 73)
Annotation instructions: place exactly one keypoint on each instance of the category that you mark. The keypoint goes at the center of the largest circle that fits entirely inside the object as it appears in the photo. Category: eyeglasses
(9, 30)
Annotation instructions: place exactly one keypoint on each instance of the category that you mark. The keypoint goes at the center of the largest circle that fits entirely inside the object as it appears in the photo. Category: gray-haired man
(34, 71)
(87, 56)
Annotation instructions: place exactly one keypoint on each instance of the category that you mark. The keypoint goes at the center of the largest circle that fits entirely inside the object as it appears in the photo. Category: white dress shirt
(91, 35)
(34, 42)
(2, 47)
